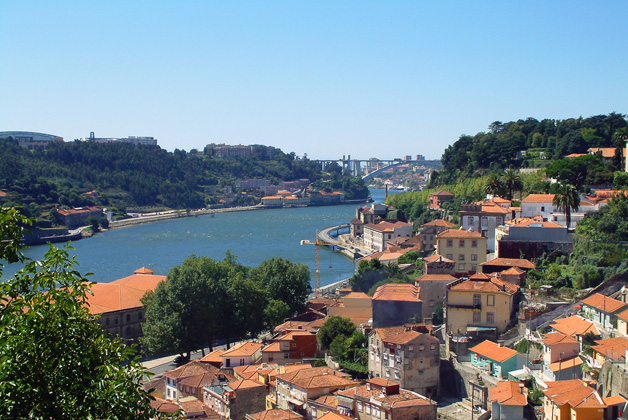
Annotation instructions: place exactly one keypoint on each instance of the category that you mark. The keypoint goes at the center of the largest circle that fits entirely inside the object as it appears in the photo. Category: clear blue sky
(326, 78)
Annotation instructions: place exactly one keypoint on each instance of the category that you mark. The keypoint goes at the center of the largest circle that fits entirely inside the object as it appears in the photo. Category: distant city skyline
(325, 79)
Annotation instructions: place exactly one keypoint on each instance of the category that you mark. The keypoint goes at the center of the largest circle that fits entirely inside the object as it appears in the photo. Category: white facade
(376, 235)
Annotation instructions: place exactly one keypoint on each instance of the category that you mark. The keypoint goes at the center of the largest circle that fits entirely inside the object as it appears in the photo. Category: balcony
(464, 305)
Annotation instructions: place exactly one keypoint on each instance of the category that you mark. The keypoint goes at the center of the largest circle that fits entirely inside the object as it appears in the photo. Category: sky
(317, 78)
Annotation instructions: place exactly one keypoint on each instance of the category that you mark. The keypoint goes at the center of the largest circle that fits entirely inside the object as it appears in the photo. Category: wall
(467, 251)
(389, 313)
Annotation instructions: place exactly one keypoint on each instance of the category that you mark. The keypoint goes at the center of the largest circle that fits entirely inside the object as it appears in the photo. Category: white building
(376, 235)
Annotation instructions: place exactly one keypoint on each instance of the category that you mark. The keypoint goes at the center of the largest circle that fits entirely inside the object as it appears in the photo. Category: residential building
(437, 264)
(606, 153)
(480, 304)
(214, 358)
(356, 306)
(189, 379)
(560, 357)
(377, 235)
(438, 198)
(496, 359)
(275, 414)
(575, 326)
(484, 217)
(363, 216)
(78, 216)
(324, 404)
(531, 238)
(380, 398)
(291, 347)
(142, 140)
(538, 205)
(572, 399)
(395, 304)
(293, 389)
(234, 399)
(467, 249)
(30, 140)
(508, 400)
(612, 349)
(432, 292)
(241, 354)
(430, 230)
(119, 303)
(602, 309)
(408, 356)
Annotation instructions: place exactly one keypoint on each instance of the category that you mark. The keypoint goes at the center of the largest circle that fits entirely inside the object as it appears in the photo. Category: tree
(334, 326)
(566, 200)
(512, 182)
(56, 362)
(494, 185)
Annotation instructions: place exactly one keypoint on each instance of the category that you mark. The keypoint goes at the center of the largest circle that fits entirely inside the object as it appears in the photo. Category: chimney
(521, 388)
(500, 343)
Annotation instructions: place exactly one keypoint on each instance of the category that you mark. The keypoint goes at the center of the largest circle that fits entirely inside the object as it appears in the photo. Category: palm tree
(513, 182)
(494, 185)
(567, 199)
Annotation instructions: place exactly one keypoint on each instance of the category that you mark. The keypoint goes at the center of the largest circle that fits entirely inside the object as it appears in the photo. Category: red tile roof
(245, 384)
(613, 348)
(488, 285)
(318, 377)
(459, 234)
(558, 338)
(510, 262)
(539, 198)
(435, 277)
(121, 294)
(623, 315)
(387, 226)
(574, 392)
(490, 350)
(276, 414)
(334, 416)
(565, 364)
(441, 192)
(243, 349)
(508, 393)
(575, 325)
(436, 258)
(604, 303)
(213, 357)
(400, 335)
(397, 292)
(439, 223)
(614, 400)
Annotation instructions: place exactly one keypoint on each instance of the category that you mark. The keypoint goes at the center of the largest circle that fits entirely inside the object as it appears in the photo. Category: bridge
(354, 166)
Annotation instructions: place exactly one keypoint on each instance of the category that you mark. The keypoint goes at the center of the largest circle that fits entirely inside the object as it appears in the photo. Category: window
(314, 412)
(360, 406)
(107, 321)
(449, 256)
(542, 208)
(410, 348)
(368, 408)
(128, 317)
(433, 346)
(461, 267)
(477, 299)
(450, 243)
(474, 257)
(474, 268)
(421, 347)
(474, 243)
(396, 376)
(241, 362)
(431, 303)
(477, 316)
(490, 317)
(460, 257)
(286, 355)
(490, 300)
(461, 243)
(484, 220)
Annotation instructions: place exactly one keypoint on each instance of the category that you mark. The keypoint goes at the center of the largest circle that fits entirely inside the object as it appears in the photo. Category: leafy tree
(55, 360)
(369, 273)
(335, 326)
(439, 316)
(566, 200)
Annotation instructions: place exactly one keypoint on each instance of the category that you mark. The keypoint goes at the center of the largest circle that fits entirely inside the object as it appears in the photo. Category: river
(253, 236)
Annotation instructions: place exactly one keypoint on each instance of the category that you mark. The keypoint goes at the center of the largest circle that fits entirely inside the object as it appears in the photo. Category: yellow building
(572, 400)
(480, 304)
(466, 249)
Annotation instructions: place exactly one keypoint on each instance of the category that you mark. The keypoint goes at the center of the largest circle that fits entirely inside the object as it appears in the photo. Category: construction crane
(317, 261)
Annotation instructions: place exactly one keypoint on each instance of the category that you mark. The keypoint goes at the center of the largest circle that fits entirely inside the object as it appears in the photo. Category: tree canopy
(56, 362)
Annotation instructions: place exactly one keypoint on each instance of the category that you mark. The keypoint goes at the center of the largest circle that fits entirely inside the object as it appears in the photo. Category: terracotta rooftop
(623, 315)
(191, 369)
(459, 234)
(558, 338)
(164, 406)
(78, 210)
(531, 222)
(441, 192)
(243, 349)
(244, 384)
(486, 285)
(121, 294)
(436, 258)
(402, 398)
(327, 399)
(387, 226)
(439, 223)
(276, 414)
(607, 152)
(604, 303)
(538, 198)
(575, 325)
(357, 295)
(318, 377)
(490, 350)
(513, 271)
(399, 335)
(574, 392)
(508, 393)
(613, 348)
(213, 357)
(565, 364)
(614, 400)
(511, 262)
(397, 292)
(334, 416)
(435, 277)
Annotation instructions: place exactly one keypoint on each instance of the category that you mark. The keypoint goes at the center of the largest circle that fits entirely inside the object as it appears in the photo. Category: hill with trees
(128, 176)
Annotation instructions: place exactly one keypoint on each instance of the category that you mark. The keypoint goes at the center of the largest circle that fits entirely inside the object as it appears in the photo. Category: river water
(253, 236)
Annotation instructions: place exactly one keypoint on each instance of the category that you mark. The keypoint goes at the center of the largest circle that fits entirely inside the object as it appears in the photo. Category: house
(291, 347)
(274, 414)
(538, 205)
(430, 230)
(214, 358)
(602, 309)
(78, 216)
(395, 304)
(606, 153)
(409, 355)
(508, 400)
(572, 399)
(467, 249)
(437, 264)
(560, 357)
(432, 291)
(531, 238)
(480, 305)
(356, 306)
(324, 404)
(234, 399)
(390, 255)
(244, 353)
(119, 303)
(613, 349)
(189, 379)
(377, 235)
(293, 389)
(496, 359)
(575, 326)
(363, 216)
(381, 398)
(484, 217)
(622, 322)
(438, 198)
